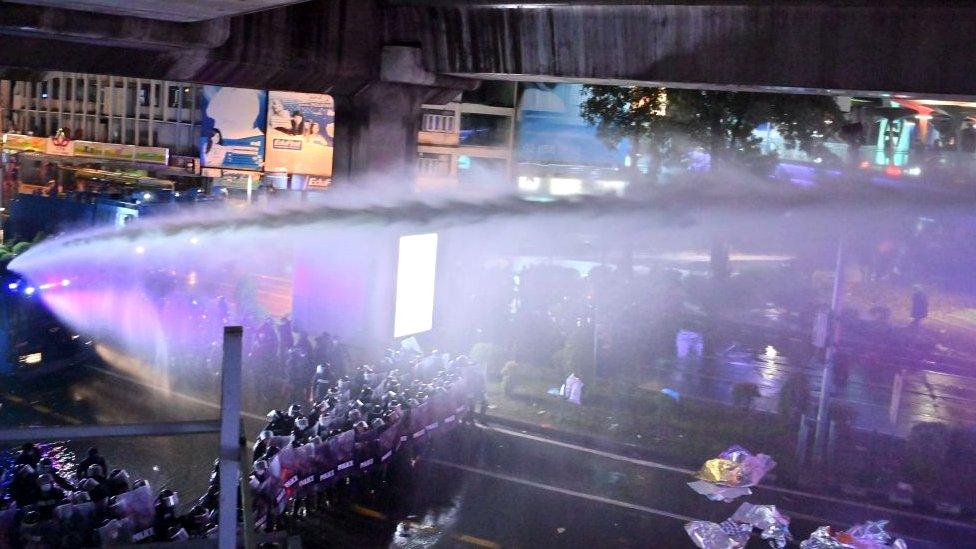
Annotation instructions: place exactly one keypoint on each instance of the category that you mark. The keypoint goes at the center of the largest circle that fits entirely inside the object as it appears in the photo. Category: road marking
(40, 408)
(480, 542)
(655, 465)
(186, 397)
(618, 457)
(367, 512)
(565, 491)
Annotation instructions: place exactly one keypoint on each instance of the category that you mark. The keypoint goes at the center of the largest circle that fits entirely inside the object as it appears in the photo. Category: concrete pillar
(376, 128)
(376, 131)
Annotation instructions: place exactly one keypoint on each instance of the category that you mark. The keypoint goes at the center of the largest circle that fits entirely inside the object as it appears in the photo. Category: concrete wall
(817, 45)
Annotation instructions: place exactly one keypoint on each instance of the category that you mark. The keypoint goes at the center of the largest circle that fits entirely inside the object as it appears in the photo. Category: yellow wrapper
(721, 471)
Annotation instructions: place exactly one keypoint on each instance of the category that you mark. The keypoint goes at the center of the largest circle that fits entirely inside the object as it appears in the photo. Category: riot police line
(44, 509)
(352, 436)
(347, 436)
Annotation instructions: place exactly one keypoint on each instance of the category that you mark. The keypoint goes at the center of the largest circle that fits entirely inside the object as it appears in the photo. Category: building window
(438, 121)
(484, 129)
(434, 164)
(177, 96)
(145, 92)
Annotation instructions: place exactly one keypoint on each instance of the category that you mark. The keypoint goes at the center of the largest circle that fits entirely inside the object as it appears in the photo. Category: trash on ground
(867, 535)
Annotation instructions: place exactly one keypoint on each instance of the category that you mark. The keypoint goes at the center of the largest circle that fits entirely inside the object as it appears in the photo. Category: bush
(794, 395)
(743, 393)
(928, 445)
(489, 356)
(20, 248)
(576, 357)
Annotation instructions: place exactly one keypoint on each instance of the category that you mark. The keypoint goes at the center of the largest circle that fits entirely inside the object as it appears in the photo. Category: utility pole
(830, 354)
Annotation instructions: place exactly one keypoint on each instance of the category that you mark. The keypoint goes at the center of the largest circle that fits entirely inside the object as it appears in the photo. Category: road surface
(490, 487)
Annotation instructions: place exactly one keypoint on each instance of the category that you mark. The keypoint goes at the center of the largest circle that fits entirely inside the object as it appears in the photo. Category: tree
(743, 393)
(669, 123)
(794, 395)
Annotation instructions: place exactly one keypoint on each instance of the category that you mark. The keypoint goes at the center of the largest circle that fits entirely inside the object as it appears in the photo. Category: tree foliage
(672, 122)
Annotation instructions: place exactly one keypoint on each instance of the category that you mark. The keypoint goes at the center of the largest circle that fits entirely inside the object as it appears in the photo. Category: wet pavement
(499, 488)
(486, 487)
(936, 386)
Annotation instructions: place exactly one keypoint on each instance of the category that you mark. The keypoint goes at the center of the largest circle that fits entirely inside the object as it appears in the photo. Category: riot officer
(165, 514)
(23, 486)
(29, 455)
(301, 431)
(47, 466)
(320, 383)
(278, 423)
(117, 482)
(261, 446)
(93, 458)
(49, 496)
(199, 522)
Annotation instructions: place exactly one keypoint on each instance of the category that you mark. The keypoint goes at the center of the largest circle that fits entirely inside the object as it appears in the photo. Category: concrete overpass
(383, 59)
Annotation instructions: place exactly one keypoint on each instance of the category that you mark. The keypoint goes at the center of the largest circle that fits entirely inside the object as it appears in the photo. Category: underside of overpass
(382, 59)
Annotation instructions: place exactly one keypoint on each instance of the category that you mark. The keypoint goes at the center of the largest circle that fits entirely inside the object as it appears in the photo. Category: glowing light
(771, 351)
(140, 250)
(147, 196)
(416, 268)
(914, 170)
(194, 240)
(614, 186)
(13, 285)
(893, 171)
(65, 282)
(529, 184)
(865, 164)
(32, 358)
(191, 280)
(29, 290)
(47, 286)
(561, 186)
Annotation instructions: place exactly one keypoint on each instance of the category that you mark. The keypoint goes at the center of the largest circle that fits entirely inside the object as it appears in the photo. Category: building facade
(106, 109)
(470, 141)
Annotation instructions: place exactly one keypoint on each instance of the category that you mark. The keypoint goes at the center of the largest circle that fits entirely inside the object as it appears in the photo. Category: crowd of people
(338, 438)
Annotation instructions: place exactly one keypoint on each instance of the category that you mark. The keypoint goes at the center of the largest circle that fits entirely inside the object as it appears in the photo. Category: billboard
(416, 267)
(232, 128)
(29, 143)
(300, 130)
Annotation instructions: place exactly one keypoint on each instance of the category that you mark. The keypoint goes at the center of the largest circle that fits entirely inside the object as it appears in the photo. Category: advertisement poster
(301, 128)
(232, 128)
(29, 143)
(60, 145)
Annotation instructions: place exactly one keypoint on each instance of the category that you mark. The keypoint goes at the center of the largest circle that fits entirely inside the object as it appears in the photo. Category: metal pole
(230, 433)
(823, 412)
(245, 491)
